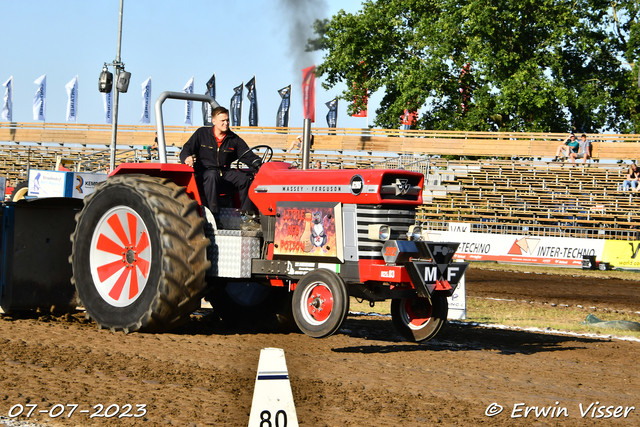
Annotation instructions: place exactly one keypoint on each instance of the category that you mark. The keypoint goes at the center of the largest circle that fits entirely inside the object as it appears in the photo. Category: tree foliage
(534, 65)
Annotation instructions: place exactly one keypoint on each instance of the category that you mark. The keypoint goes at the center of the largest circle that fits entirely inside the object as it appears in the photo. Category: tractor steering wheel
(266, 157)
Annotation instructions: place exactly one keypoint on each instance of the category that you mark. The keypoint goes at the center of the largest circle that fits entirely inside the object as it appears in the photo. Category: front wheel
(418, 319)
(138, 254)
(320, 303)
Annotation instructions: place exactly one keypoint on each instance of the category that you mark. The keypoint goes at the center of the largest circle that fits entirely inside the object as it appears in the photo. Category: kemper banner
(40, 99)
(408, 119)
(108, 111)
(253, 102)
(146, 101)
(309, 93)
(72, 103)
(236, 106)
(332, 115)
(188, 105)
(206, 107)
(282, 119)
(7, 106)
(552, 251)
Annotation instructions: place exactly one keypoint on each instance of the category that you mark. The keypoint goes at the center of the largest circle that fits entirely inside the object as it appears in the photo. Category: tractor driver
(210, 152)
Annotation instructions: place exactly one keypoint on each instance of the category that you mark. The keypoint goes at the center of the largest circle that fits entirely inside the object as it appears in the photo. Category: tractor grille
(399, 219)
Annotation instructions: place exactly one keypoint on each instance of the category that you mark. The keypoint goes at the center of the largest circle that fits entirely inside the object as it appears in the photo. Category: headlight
(379, 232)
(414, 233)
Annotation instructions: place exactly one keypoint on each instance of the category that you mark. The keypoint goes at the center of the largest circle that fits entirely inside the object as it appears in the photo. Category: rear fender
(181, 174)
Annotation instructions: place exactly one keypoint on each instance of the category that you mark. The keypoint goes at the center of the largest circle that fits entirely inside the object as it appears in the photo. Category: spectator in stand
(632, 178)
(297, 144)
(318, 164)
(569, 146)
(584, 150)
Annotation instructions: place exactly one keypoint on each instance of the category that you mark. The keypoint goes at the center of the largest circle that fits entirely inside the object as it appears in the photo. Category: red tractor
(144, 252)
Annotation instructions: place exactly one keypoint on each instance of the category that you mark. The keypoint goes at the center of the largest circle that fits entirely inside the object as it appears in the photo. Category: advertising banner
(282, 119)
(108, 111)
(146, 101)
(206, 107)
(623, 254)
(236, 106)
(332, 115)
(7, 106)
(85, 183)
(46, 183)
(309, 93)
(40, 98)
(253, 102)
(552, 251)
(188, 105)
(72, 102)
(309, 229)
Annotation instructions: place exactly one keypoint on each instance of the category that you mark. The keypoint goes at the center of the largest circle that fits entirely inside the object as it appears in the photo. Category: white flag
(188, 106)
(72, 103)
(40, 98)
(7, 107)
(146, 101)
(106, 99)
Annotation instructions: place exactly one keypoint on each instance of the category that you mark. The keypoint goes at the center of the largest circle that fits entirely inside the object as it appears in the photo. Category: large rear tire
(19, 191)
(320, 303)
(418, 319)
(139, 254)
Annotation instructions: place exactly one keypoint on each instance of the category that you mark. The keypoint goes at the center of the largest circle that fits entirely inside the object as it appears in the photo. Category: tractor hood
(276, 182)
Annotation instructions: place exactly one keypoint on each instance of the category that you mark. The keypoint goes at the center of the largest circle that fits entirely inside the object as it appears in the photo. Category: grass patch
(526, 315)
(545, 316)
(558, 271)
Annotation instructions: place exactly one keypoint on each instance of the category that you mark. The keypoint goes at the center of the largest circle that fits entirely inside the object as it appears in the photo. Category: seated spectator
(632, 178)
(568, 146)
(584, 150)
(296, 144)
(318, 164)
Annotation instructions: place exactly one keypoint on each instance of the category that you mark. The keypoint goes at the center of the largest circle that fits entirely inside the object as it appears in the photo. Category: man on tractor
(210, 152)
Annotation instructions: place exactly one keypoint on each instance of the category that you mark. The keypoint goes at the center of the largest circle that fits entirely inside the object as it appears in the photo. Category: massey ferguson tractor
(145, 251)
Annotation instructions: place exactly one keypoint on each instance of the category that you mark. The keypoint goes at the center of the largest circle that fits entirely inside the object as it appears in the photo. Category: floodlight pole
(117, 65)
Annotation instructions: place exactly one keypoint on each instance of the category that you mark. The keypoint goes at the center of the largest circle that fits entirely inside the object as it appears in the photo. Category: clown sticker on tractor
(309, 230)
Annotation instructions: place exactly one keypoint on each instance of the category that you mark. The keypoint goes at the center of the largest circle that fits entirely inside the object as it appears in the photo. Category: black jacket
(204, 145)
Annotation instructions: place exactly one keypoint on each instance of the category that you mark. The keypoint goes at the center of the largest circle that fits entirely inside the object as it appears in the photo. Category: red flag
(409, 118)
(309, 93)
(361, 93)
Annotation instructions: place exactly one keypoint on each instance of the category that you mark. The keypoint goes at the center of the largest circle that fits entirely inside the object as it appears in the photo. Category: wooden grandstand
(529, 196)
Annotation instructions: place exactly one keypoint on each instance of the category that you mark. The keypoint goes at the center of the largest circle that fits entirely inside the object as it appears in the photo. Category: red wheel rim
(317, 303)
(120, 256)
(417, 312)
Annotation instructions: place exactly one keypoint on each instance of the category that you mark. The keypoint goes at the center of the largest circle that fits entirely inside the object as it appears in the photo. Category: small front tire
(418, 319)
(320, 303)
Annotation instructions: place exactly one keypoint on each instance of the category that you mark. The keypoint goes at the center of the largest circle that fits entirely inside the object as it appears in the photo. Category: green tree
(534, 65)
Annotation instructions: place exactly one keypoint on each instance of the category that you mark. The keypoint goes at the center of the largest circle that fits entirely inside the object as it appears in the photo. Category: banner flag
(146, 102)
(108, 112)
(408, 119)
(282, 119)
(188, 105)
(253, 102)
(40, 98)
(309, 93)
(236, 106)
(72, 103)
(7, 106)
(332, 115)
(206, 107)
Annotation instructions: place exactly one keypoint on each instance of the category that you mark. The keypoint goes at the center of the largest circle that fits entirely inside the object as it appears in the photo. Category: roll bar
(162, 148)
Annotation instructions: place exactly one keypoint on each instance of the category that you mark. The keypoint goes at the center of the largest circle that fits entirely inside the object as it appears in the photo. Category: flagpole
(114, 127)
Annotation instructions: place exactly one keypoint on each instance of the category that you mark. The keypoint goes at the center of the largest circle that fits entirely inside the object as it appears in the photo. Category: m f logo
(634, 252)
(402, 186)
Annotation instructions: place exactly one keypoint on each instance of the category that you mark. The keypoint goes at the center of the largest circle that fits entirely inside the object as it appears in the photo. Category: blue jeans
(628, 182)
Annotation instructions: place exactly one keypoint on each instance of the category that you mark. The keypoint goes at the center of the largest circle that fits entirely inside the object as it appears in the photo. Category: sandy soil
(365, 375)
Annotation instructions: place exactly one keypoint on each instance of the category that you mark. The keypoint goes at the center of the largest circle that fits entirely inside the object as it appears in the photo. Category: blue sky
(170, 41)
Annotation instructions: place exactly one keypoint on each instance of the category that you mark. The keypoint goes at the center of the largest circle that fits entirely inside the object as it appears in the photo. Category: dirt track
(365, 375)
